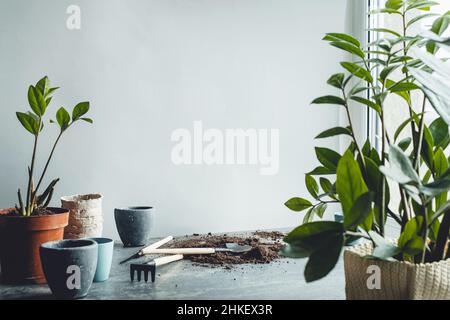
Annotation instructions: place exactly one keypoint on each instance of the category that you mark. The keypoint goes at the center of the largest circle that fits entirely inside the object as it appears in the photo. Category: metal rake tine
(146, 275)
(139, 275)
(132, 273)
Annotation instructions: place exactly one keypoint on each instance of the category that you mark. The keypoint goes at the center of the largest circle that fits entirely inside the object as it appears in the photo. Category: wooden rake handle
(168, 259)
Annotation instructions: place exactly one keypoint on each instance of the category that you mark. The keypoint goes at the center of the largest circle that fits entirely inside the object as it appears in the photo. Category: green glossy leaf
(348, 47)
(334, 132)
(441, 166)
(357, 71)
(298, 204)
(27, 121)
(326, 184)
(89, 120)
(80, 110)
(329, 100)
(309, 215)
(440, 132)
(385, 30)
(43, 86)
(374, 176)
(427, 147)
(368, 103)
(321, 171)
(402, 87)
(337, 80)
(327, 157)
(401, 169)
(349, 182)
(63, 118)
(312, 186)
(436, 187)
(403, 126)
(419, 18)
(33, 101)
(342, 37)
(386, 72)
(439, 26)
(308, 236)
(361, 209)
(294, 252)
(421, 5)
(394, 4)
(410, 241)
(405, 143)
(324, 259)
(320, 210)
(440, 163)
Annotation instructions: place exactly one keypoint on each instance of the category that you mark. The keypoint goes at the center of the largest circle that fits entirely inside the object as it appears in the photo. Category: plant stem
(29, 209)
(394, 216)
(357, 234)
(405, 53)
(351, 128)
(421, 133)
(48, 161)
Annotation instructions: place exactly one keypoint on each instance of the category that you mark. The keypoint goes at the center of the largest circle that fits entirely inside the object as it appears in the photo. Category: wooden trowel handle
(180, 251)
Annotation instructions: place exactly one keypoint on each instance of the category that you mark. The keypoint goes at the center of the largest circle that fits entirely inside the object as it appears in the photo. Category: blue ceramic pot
(69, 266)
(104, 261)
(134, 225)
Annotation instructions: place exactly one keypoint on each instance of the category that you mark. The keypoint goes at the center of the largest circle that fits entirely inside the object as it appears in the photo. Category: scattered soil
(273, 235)
(265, 248)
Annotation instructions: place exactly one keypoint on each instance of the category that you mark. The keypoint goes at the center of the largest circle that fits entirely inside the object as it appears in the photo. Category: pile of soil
(265, 248)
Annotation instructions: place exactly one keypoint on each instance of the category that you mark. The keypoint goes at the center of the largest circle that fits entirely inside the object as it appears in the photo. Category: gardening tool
(153, 246)
(151, 267)
(229, 247)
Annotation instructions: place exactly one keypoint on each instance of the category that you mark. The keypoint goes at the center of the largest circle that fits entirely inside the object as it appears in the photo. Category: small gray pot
(69, 266)
(134, 225)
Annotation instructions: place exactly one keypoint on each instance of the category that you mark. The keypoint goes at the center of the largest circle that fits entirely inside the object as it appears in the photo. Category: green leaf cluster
(412, 157)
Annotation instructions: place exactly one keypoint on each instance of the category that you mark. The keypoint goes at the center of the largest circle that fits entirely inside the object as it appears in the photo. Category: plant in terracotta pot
(32, 222)
(405, 179)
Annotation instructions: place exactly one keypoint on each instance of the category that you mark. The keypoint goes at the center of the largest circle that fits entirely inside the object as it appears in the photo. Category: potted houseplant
(410, 162)
(32, 222)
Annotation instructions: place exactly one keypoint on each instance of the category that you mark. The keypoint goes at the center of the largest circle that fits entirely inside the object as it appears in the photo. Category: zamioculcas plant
(410, 161)
(39, 98)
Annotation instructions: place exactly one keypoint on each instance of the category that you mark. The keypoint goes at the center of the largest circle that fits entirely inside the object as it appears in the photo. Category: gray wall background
(150, 67)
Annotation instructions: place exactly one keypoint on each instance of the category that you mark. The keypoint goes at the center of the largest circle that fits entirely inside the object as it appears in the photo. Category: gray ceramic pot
(69, 266)
(134, 225)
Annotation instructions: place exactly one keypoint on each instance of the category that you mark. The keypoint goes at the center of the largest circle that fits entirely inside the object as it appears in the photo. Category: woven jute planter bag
(85, 217)
(398, 280)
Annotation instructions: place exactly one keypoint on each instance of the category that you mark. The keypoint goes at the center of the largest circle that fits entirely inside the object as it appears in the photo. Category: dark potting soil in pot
(36, 212)
(265, 248)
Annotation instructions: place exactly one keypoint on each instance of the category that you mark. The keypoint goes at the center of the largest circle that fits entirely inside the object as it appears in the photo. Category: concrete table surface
(282, 279)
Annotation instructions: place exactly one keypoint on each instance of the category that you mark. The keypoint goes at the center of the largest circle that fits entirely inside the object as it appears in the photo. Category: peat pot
(397, 280)
(134, 225)
(85, 218)
(69, 266)
(20, 239)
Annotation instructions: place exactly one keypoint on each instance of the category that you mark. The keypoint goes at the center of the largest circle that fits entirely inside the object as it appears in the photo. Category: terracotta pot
(20, 239)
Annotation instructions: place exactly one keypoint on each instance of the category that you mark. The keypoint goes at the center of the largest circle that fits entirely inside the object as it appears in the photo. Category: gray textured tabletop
(282, 279)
